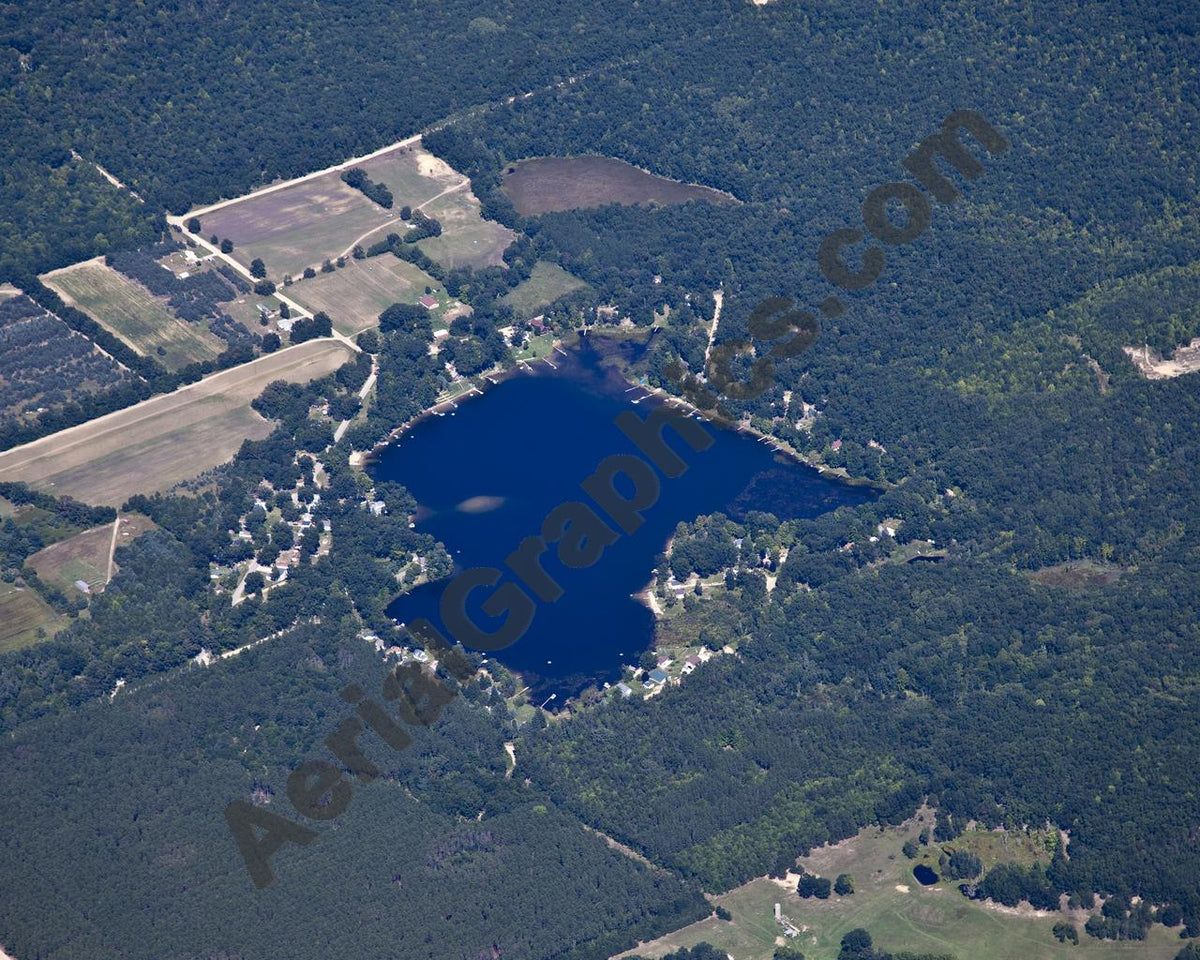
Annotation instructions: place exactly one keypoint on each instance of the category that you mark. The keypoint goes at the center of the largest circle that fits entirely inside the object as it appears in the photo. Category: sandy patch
(1153, 367)
(901, 888)
(430, 166)
(788, 882)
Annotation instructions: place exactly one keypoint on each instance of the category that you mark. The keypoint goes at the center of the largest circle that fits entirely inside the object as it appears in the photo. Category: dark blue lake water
(487, 475)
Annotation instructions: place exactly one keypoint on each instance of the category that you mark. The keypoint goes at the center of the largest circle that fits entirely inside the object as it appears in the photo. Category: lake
(486, 476)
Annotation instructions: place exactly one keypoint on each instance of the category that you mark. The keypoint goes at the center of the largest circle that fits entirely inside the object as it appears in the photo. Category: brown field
(7, 290)
(467, 239)
(1077, 575)
(22, 611)
(547, 184)
(131, 312)
(85, 556)
(357, 294)
(156, 444)
(298, 226)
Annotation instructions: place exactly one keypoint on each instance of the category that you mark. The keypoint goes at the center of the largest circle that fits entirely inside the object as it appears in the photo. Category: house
(625, 690)
(82, 586)
(836, 445)
(664, 661)
(288, 558)
(690, 664)
(440, 334)
(657, 677)
(428, 302)
(538, 323)
(285, 324)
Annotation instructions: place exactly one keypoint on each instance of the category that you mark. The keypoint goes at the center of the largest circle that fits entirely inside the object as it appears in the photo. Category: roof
(693, 660)
(658, 676)
(427, 301)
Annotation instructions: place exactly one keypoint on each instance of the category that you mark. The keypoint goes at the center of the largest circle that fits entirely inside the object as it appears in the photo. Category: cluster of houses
(666, 672)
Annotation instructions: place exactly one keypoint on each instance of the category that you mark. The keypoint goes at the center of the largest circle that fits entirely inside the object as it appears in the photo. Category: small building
(428, 302)
(440, 334)
(657, 677)
(538, 323)
(836, 445)
(82, 586)
(625, 690)
(690, 664)
(288, 558)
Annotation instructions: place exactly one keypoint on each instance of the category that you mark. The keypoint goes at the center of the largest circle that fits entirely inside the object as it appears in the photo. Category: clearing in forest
(161, 442)
(131, 312)
(549, 184)
(898, 912)
(84, 557)
(546, 283)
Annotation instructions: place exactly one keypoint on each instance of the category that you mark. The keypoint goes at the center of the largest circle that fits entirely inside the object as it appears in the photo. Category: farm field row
(156, 444)
(129, 311)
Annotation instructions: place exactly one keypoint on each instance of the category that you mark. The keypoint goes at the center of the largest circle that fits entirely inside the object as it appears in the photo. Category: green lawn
(546, 283)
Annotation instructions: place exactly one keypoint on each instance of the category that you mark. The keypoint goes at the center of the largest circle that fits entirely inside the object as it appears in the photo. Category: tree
(405, 212)
(271, 343)
(227, 245)
(1066, 932)
(813, 886)
(193, 225)
(964, 865)
(264, 288)
(258, 269)
(285, 311)
(309, 273)
(788, 953)
(254, 582)
(844, 885)
(855, 944)
(369, 340)
(723, 914)
(910, 849)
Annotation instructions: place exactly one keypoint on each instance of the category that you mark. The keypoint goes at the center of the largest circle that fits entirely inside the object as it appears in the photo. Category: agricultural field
(899, 913)
(357, 294)
(546, 283)
(44, 363)
(322, 218)
(133, 313)
(161, 442)
(22, 612)
(549, 184)
(84, 557)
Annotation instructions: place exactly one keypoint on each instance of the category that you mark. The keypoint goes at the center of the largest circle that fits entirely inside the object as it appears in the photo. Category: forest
(981, 381)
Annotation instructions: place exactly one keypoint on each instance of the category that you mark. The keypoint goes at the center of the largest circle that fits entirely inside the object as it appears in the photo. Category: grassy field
(467, 239)
(547, 283)
(156, 444)
(22, 611)
(547, 184)
(898, 912)
(357, 294)
(413, 174)
(131, 312)
(85, 555)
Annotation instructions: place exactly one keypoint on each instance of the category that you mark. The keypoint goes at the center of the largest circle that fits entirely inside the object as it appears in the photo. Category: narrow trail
(718, 299)
(112, 549)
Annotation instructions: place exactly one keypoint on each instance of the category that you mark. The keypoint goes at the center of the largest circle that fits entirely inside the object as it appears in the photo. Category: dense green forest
(982, 379)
